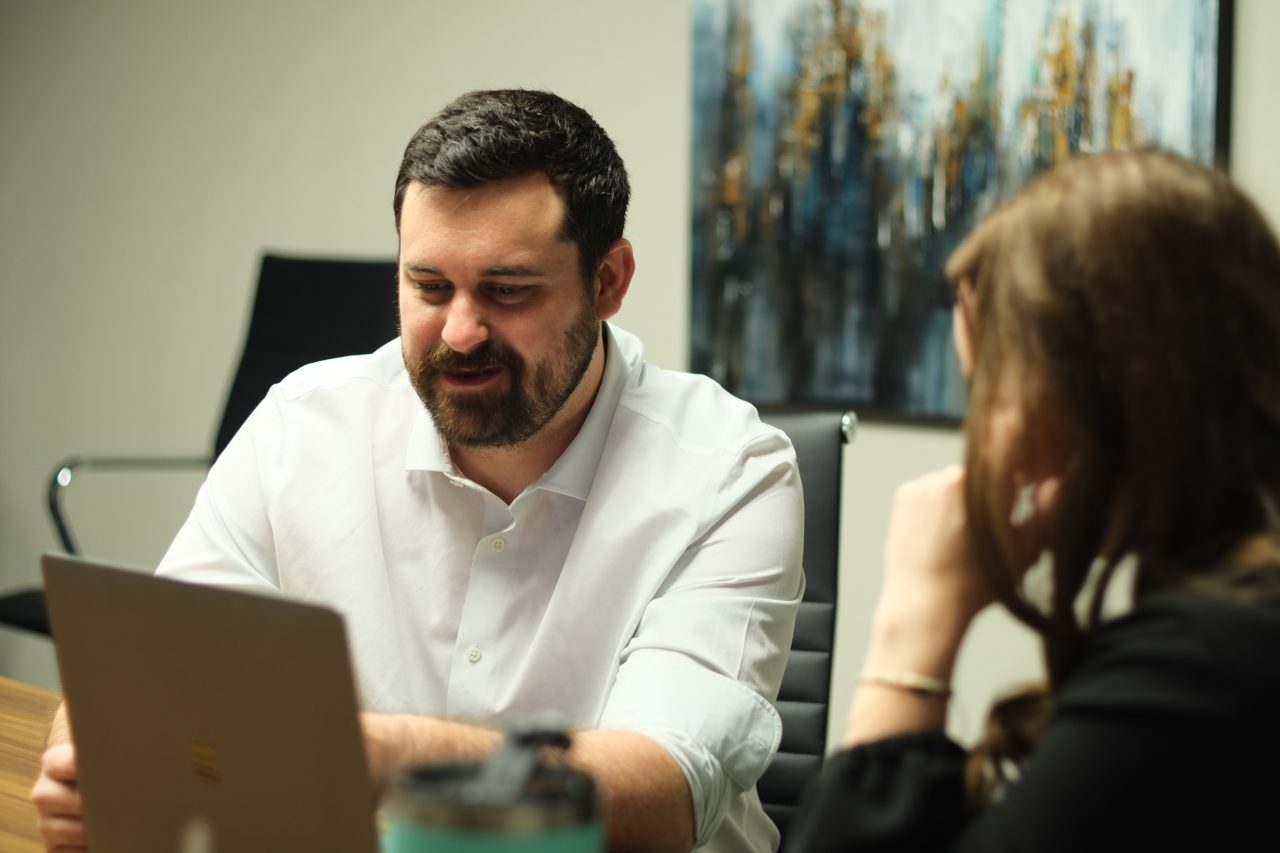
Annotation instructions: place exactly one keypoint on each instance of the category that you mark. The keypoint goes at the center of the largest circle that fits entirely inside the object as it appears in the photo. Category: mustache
(488, 356)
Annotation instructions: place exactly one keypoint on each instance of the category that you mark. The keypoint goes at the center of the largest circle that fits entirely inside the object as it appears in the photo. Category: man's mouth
(470, 377)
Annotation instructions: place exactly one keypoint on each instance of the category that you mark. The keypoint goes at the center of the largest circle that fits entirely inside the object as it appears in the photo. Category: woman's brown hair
(1127, 305)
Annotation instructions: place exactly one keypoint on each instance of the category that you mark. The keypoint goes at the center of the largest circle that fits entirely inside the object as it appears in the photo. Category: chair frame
(819, 438)
(64, 474)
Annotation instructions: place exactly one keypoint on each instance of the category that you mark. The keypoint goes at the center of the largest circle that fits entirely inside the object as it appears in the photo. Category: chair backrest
(308, 309)
(304, 310)
(819, 438)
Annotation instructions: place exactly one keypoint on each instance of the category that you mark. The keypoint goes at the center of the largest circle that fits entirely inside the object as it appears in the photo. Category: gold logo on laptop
(204, 758)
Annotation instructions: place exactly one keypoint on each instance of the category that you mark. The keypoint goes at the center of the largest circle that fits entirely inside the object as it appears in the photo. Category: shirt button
(473, 654)
(498, 544)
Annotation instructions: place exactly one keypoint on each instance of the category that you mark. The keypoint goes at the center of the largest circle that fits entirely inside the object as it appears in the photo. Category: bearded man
(513, 511)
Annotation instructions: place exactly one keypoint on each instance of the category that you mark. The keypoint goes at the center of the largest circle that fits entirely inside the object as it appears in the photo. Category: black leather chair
(304, 310)
(819, 438)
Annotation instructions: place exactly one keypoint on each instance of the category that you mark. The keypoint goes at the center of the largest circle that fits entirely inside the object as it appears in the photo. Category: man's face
(496, 326)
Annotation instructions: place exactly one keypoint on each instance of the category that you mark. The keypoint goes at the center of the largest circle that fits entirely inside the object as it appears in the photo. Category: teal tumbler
(525, 799)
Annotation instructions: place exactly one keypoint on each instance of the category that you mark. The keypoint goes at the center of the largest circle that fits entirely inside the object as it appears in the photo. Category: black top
(1165, 737)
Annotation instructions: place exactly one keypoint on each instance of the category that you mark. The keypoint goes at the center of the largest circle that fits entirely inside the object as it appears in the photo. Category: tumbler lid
(525, 786)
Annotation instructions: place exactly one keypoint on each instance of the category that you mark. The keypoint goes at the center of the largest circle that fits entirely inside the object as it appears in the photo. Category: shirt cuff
(720, 732)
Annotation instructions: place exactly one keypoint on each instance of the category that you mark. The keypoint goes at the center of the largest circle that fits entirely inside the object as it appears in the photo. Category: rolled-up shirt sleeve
(722, 747)
(702, 672)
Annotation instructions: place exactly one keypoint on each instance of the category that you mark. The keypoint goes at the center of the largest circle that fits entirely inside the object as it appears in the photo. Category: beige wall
(150, 150)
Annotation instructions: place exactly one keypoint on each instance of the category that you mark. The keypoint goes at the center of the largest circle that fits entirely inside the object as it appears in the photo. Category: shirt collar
(575, 470)
(426, 452)
(573, 473)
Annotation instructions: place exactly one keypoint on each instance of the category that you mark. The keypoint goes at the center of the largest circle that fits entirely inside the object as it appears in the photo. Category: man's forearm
(647, 806)
(646, 800)
(396, 741)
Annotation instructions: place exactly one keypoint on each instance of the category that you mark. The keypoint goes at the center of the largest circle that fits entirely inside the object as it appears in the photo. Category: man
(513, 511)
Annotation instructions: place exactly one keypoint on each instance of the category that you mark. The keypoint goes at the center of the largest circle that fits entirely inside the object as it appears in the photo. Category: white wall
(150, 150)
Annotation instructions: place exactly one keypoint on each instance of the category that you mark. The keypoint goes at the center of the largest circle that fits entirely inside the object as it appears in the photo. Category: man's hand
(57, 799)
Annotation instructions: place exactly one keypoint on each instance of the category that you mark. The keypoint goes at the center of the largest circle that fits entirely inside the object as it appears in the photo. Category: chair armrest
(25, 609)
(65, 473)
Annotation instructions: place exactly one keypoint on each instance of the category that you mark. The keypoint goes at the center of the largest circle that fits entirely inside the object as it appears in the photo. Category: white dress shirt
(648, 581)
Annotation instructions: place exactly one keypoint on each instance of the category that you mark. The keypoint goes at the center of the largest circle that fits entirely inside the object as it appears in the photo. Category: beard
(512, 411)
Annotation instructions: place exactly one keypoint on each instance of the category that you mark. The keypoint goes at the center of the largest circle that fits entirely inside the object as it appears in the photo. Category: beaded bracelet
(912, 682)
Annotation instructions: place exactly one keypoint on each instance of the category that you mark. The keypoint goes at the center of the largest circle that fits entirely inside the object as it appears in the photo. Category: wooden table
(25, 712)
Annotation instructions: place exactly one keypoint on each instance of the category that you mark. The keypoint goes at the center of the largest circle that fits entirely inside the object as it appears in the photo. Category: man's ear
(614, 277)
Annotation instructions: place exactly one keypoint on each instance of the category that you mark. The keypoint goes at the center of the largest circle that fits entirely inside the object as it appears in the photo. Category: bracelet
(912, 682)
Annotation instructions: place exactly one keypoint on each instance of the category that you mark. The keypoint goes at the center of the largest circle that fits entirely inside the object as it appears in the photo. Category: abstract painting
(842, 148)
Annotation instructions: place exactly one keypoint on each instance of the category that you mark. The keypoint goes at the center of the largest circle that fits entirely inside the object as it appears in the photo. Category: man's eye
(432, 290)
(509, 293)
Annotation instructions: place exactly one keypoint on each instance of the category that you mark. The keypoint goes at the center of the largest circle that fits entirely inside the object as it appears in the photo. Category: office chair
(819, 438)
(304, 310)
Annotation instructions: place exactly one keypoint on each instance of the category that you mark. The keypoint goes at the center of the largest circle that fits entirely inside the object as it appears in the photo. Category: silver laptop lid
(199, 710)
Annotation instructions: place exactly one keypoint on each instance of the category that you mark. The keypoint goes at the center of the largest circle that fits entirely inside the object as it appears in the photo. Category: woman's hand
(931, 583)
(930, 593)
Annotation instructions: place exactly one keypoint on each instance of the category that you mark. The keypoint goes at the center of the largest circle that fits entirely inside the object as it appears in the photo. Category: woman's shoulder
(1184, 652)
(1157, 729)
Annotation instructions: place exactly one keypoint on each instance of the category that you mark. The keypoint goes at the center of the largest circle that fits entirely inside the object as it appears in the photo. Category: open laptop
(207, 719)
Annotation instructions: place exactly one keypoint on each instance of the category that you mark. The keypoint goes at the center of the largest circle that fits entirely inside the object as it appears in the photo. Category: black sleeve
(1152, 745)
(902, 793)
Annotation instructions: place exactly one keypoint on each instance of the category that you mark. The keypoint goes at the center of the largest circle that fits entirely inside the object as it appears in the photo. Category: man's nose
(466, 327)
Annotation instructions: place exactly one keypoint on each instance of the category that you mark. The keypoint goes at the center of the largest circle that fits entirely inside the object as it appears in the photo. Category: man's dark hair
(489, 136)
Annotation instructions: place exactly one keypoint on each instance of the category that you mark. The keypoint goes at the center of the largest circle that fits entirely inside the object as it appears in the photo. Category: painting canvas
(842, 148)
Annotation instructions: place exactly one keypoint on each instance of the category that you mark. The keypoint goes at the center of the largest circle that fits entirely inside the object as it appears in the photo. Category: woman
(1119, 323)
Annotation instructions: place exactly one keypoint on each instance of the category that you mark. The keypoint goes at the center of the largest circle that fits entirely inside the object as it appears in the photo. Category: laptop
(207, 719)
